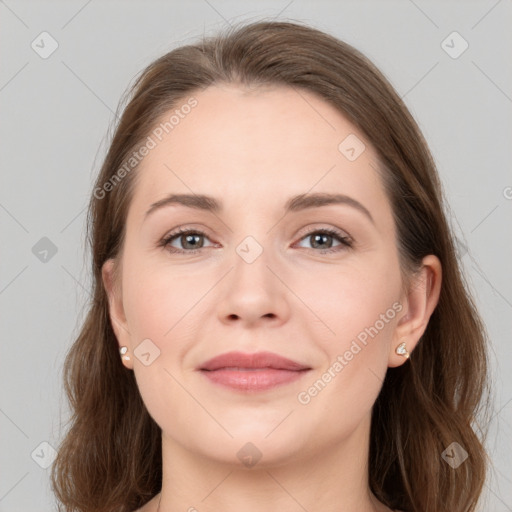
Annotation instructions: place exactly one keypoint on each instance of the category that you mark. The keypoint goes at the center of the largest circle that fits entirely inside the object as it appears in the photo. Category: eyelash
(346, 242)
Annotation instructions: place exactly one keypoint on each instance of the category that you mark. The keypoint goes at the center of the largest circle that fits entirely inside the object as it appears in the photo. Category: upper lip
(255, 360)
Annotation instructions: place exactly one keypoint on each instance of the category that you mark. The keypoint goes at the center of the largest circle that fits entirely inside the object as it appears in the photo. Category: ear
(419, 302)
(116, 311)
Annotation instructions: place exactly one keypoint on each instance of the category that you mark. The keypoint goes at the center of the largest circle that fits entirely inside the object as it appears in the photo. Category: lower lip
(253, 380)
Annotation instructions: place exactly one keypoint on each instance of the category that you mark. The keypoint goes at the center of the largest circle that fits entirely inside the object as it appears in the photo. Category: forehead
(245, 145)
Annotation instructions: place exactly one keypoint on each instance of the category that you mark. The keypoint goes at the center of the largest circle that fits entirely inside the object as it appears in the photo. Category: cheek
(347, 301)
(162, 308)
(358, 311)
(157, 302)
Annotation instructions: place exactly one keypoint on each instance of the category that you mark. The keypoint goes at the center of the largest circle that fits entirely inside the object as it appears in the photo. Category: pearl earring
(123, 351)
(402, 351)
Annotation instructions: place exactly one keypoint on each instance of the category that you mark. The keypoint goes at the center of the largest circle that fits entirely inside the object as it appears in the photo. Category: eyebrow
(294, 204)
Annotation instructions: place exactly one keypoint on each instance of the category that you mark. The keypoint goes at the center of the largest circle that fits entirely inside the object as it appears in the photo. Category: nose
(254, 293)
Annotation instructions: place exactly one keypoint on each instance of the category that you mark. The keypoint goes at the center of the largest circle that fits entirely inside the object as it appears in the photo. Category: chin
(256, 448)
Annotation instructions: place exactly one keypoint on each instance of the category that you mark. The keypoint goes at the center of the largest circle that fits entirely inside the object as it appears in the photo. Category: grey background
(55, 116)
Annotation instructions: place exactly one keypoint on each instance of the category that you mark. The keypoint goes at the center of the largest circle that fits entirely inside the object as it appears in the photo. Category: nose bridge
(253, 291)
(250, 249)
(252, 236)
(252, 257)
(256, 229)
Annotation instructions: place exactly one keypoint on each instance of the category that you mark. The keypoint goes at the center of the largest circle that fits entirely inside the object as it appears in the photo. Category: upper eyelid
(203, 231)
(309, 230)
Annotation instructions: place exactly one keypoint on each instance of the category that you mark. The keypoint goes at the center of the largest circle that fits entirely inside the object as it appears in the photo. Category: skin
(252, 149)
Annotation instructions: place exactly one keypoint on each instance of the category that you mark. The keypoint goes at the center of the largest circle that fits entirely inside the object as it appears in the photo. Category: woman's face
(257, 276)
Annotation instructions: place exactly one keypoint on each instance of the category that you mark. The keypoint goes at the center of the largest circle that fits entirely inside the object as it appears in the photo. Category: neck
(331, 479)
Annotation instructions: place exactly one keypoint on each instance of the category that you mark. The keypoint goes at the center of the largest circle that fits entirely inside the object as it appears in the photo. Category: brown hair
(110, 459)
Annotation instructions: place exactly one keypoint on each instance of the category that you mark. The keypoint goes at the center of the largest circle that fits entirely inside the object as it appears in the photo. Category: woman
(279, 319)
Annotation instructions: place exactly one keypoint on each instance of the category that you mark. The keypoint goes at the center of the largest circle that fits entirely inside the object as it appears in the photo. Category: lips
(258, 360)
(252, 372)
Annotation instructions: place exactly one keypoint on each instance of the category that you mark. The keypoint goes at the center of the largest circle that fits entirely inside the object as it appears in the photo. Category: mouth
(252, 379)
(252, 372)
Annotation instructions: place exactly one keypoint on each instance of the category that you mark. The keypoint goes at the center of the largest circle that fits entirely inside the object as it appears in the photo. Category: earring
(402, 351)
(123, 351)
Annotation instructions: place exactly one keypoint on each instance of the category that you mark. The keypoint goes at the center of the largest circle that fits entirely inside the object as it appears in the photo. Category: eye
(189, 239)
(323, 239)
